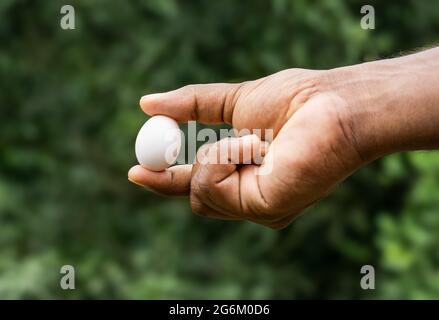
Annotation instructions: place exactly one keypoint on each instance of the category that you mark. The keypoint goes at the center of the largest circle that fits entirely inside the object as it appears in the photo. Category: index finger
(207, 103)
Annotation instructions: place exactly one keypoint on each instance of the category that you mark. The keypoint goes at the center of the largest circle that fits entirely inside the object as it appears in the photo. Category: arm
(326, 125)
(399, 107)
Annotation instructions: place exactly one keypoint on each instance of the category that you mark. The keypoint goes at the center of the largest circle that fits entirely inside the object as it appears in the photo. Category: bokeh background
(68, 121)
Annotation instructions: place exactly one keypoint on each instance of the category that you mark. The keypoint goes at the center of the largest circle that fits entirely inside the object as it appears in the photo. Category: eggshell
(158, 143)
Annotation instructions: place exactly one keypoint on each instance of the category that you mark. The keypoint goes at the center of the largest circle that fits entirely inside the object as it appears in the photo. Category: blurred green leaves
(69, 117)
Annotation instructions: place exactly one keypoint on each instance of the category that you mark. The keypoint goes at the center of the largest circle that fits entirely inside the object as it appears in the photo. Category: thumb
(206, 103)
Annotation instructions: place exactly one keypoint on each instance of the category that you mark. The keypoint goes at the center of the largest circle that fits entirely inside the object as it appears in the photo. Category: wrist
(393, 105)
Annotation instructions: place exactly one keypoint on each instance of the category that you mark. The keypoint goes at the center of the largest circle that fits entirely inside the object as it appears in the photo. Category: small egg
(158, 143)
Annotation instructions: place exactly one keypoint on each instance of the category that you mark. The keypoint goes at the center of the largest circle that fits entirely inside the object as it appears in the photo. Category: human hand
(326, 124)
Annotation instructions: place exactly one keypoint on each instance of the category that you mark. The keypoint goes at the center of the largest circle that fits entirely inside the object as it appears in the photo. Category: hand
(321, 122)
(312, 149)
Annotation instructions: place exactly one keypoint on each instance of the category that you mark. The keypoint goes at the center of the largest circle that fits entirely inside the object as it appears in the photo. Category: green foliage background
(68, 120)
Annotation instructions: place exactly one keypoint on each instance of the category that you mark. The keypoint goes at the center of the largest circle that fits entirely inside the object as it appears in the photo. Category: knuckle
(196, 206)
(276, 220)
(200, 186)
(189, 88)
(265, 215)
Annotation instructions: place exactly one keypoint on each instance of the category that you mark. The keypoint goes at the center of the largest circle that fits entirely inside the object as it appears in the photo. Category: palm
(310, 152)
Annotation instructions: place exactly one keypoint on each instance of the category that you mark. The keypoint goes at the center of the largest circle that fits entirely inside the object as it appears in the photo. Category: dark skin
(326, 125)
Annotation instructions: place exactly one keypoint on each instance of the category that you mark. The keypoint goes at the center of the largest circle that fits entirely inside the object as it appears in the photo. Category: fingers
(173, 181)
(242, 150)
(231, 189)
(216, 181)
(205, 210)
(206, 103)
(223, 183)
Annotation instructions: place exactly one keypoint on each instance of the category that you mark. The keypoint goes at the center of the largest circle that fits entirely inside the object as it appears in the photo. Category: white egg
(158, 143)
